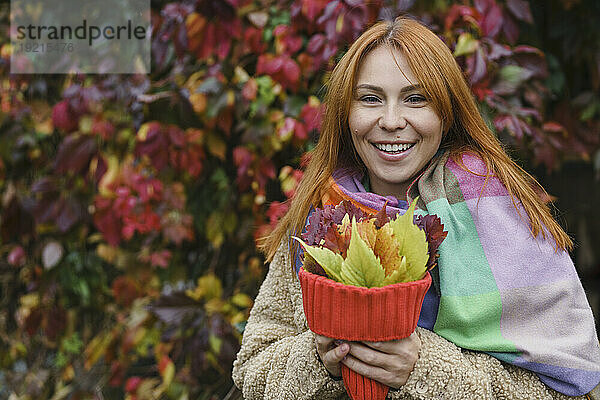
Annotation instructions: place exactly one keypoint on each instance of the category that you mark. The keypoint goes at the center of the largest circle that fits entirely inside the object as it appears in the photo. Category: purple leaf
(498, 51)
(520, 9)
(315, 43)
(175, 308)
(510, 28)
(477, 66)
(75, 153)
(70, 213)
(483, 5)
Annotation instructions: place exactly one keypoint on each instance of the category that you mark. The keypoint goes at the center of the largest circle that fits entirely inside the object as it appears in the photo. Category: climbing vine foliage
(130, 204)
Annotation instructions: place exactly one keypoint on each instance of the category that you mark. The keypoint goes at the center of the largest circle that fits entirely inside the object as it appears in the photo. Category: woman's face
(394, 127)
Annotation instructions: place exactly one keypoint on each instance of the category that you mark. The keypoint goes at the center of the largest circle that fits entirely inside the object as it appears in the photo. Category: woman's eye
(416, 99)
(370, 99)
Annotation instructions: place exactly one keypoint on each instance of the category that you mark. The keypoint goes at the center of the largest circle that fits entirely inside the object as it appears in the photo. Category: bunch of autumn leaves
(355, 248)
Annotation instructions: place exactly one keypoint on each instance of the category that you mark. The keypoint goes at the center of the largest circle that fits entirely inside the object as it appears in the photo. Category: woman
(506, 317)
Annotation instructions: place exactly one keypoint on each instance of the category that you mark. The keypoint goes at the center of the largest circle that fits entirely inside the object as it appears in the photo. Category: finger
(370, 371)
(337, 354)
(396, 346)
(323, 343)
(370, 356)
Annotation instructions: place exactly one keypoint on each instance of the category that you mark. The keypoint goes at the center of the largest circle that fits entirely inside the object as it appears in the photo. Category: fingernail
(344, 347)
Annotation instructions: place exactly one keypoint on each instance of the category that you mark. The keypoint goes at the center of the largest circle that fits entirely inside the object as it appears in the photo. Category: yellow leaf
(96, 348)
(466, 44)
(397, 275)
(214, 229)
(387, 248)
(216, 145)
(368, 232)
(412, 243)
(242, 300)
(198, 102)
(215, 343)
(107, 253)
(111, 174)
(361, 267)
(209, 287)
(330, 261)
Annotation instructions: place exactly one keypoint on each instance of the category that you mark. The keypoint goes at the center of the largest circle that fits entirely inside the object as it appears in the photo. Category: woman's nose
(392, 119)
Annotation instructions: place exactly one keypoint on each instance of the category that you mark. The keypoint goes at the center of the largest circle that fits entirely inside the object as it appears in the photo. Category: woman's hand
(331, 352)
(387, 362)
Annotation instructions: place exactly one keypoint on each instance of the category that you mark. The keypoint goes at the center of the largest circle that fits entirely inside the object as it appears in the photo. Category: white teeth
(391, 148)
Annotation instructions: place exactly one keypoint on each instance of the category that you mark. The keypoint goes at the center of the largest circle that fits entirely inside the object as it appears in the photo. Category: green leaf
(331, 262)
(466, 44)
(413, 243)
(361, 267)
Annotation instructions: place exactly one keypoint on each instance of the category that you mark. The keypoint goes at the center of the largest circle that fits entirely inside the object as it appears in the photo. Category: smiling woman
(506, 316)
(395, 129)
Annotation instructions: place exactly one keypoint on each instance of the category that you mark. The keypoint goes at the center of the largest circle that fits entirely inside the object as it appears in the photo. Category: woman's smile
(394, 128)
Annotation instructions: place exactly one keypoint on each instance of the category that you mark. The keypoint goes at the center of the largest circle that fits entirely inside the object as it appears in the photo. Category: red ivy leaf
(435, 234)
(63, 117)
(492, 21)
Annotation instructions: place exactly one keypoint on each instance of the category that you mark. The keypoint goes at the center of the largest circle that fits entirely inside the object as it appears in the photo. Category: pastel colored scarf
(497, 289)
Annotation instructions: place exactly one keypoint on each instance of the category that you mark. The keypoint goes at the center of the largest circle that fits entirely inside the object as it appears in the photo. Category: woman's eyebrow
(405, 89)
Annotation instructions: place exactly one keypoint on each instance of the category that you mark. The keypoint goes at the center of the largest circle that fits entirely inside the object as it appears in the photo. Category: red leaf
(315, 43)
(63, 117)
(109, 225)
(520, 9)
(103, 128)
(275, 211)
(253, 41)
(554, 127)
(250, 90)
(176, 135)
(381, 218)
(311, 115)
(435, 234)
(125, 290)
(160, 258)
(17, 257)
(312, 8)
(492, 21)
(300, 131)
(291, 71)
(34, 321)
(132, 384)
(455, 12)
(55, 322)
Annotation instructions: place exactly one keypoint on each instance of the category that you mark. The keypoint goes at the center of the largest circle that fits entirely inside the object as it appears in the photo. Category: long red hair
(464, 129)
